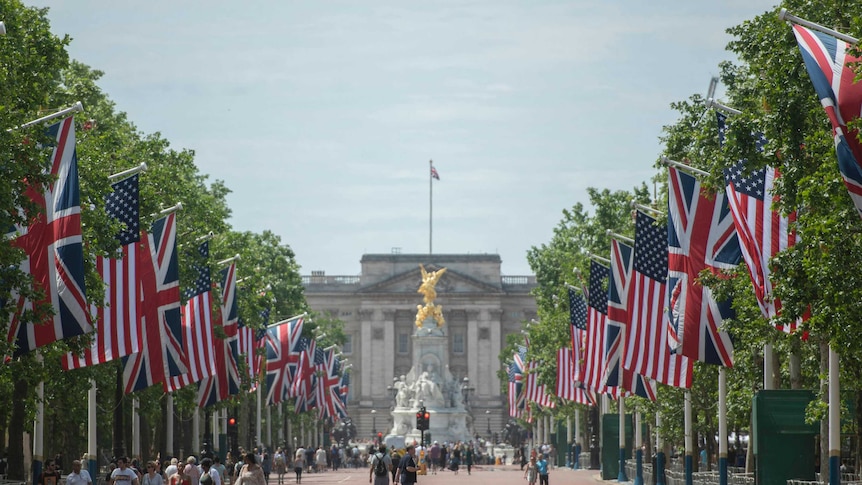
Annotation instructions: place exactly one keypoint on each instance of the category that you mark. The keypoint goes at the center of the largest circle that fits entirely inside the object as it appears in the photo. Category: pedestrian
(78, 476)
(266, 464)
(299, 464)
(50, 476)
(221, 470)
(381, 465)
(468, 457)
(191, 472)
(320, 459)
(408, 468)
(542, 467)
(251, 472)
(280, 464)
(122, 475)
(213, 477)
(151, 477)
(395, 458)
(531, 473)
(171, 469)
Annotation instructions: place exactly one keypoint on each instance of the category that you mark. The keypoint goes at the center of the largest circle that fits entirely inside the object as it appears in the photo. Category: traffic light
(231, 423)
(423, 419)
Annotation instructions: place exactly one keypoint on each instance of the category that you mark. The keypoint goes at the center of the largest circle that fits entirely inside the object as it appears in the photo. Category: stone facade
(378, 308)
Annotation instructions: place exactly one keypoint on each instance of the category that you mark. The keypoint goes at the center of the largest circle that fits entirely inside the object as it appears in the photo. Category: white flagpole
(169, 432)
(196, 430)
(722, 425)
(75, 108)
(136, 430)
(784, 15)
(92, 443)
(257, 428)
(834, 419)
(689, 439)
(430, 207)
(621, 477)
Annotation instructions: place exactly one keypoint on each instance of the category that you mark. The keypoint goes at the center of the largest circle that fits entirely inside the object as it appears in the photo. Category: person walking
(299, 464)
(531, 473)
(407, 471)
(468, 457)
(381, 465)
(542, 467)
(251, 472)
(280, 465)
(396, 462)
(151, 476)
(78, 476)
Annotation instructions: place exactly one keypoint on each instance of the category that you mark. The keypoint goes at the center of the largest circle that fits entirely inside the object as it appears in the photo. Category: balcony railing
(331, 280)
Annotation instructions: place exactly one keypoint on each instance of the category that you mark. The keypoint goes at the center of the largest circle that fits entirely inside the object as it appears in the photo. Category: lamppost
(488, 415)
(374, 423)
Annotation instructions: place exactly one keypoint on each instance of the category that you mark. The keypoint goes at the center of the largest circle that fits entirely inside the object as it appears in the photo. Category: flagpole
(784, 15)
(430, 207)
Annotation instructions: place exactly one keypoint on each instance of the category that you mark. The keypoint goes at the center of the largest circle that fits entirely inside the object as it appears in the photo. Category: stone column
(475, 353)
(496, 324)
(390, 342)
(366, 352)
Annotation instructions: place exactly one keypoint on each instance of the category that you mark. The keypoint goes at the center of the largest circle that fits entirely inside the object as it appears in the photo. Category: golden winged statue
(429, 280)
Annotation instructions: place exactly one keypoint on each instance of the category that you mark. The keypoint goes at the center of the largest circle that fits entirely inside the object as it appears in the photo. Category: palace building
(378, 308)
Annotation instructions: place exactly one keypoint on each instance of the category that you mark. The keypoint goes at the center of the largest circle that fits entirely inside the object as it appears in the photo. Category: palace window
(347, 348)
(458, 342)
(403, 343)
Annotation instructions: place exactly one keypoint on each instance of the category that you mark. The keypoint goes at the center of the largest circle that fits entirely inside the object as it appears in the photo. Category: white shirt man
(123, 475)
(78, 476)
(172, 469)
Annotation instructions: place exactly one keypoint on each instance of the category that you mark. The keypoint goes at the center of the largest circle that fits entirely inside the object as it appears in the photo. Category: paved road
(496, 475)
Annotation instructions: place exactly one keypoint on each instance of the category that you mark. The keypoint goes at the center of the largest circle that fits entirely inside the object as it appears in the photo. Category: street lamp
(374, 422)
(394, 390)
(488, 415)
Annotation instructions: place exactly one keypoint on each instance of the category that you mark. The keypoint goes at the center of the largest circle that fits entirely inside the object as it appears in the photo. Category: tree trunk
(776, 370)
(15, 469)
(161, 426)
(824, 423)
(795, 365)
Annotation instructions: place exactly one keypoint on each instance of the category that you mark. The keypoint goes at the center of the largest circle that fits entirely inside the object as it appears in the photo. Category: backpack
(380, 468)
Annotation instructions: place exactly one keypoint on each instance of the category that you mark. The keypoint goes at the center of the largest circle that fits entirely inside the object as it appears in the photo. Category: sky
(322, 116)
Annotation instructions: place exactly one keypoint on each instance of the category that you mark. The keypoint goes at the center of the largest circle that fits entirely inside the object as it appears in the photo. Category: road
(498, 475)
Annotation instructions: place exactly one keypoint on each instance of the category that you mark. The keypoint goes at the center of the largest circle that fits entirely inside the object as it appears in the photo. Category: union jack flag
(515, 391)
(280, 339)
(615, 374)
(344, 392)
(197, 321)
(434, 173)
(828, 64)
(226, 381)
(701, 236)
(162, 354)
(118, 332)
(304, 380)
(597, 309)
(54, 253)
(647, 349)
(763, 231)
(328, 387)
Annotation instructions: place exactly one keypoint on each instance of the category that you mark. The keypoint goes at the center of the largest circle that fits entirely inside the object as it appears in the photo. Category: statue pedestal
(430, 383)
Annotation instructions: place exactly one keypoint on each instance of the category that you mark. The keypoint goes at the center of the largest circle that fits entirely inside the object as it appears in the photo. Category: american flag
(614, 373)
(328, 387)
(567, 388)
(118, 332)
(162, 352)
(250, 340)
(701, 236)
(54, 253)
(197, 323)
(597, 309)
(577, 329)
(226, 380)
(280, 339)
(763, 231)
(829, 66)
(434, 173)
(647, 349)
(536, 392)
